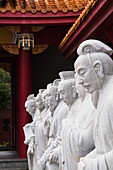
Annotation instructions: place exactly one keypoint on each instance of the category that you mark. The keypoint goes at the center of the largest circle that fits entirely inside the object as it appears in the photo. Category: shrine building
(38, 39)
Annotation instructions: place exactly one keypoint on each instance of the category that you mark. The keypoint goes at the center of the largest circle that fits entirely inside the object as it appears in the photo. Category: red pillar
(25, 88)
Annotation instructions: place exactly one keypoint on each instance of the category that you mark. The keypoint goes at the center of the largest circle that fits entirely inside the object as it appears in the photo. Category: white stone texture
(95, 70)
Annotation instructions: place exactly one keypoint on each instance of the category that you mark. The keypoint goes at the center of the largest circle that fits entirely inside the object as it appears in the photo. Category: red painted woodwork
(38, 21)
(39, 14)
(97, 16)
(104, 28)
(38, 18)
(109, 33)
(51, 35)
(25, 88)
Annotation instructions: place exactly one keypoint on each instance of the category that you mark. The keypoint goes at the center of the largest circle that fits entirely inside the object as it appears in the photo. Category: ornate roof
(77, 22)
(42, 5)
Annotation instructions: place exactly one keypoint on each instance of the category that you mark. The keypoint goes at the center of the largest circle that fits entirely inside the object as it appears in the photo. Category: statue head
(38, 101)
(93, 64)
(53, 96)
(67, 87)
(30, 104)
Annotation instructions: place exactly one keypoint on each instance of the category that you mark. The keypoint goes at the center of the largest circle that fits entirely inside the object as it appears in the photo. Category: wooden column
(25, 88)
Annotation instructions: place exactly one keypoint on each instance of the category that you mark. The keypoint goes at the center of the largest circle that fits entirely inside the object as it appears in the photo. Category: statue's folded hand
(53, 156)
(81, 166)
(30, 150)
(42, 163)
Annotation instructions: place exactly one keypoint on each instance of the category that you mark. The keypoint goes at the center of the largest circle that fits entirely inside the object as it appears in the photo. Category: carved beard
(51, 108)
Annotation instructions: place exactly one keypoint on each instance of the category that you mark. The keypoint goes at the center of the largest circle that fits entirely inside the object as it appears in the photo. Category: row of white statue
(72, 127)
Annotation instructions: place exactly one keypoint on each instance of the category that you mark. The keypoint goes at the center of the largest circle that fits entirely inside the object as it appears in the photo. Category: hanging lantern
(26, 41)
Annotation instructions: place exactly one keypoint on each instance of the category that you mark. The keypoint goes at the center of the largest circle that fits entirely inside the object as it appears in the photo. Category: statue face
(30, 107)
(26, 106)
(45, 98)
(65, 90)
(52, 99)
(39, 103)
(86, 74)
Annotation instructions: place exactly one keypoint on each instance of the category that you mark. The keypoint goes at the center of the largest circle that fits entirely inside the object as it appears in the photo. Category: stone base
(13, 164)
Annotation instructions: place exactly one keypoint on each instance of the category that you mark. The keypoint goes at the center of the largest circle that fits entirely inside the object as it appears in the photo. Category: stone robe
(30, 141)
(102, 157)
(40, 138)
(60, 113)
(77, 136)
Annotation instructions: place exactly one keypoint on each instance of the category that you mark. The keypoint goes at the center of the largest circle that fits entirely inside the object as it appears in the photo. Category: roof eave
(39, 18)
(90, 23)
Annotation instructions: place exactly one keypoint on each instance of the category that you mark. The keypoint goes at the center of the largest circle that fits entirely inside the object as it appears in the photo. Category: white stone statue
(78, 126)
(39, 104)
(48, 117)
(95, 70)
(40, 138)
(29, 131)
(59, 112)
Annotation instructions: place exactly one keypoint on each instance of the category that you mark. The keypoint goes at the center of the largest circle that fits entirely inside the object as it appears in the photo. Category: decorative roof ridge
(44, 6)
(77, 22)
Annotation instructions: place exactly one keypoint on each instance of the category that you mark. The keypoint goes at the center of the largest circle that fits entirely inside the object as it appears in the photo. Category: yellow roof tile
(43, 5)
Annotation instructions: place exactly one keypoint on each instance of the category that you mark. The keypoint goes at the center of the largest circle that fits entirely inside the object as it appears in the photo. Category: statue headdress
(65, 75)
(31, 97)
(92, 46)
(56, 82)
(49, 85)
(41, 91)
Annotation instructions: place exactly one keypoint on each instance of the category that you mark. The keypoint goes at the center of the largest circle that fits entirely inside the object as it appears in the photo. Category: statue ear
(74, 91)
(99, 68)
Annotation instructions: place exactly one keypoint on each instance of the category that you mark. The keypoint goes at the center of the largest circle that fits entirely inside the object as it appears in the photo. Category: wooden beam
(39, 18)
